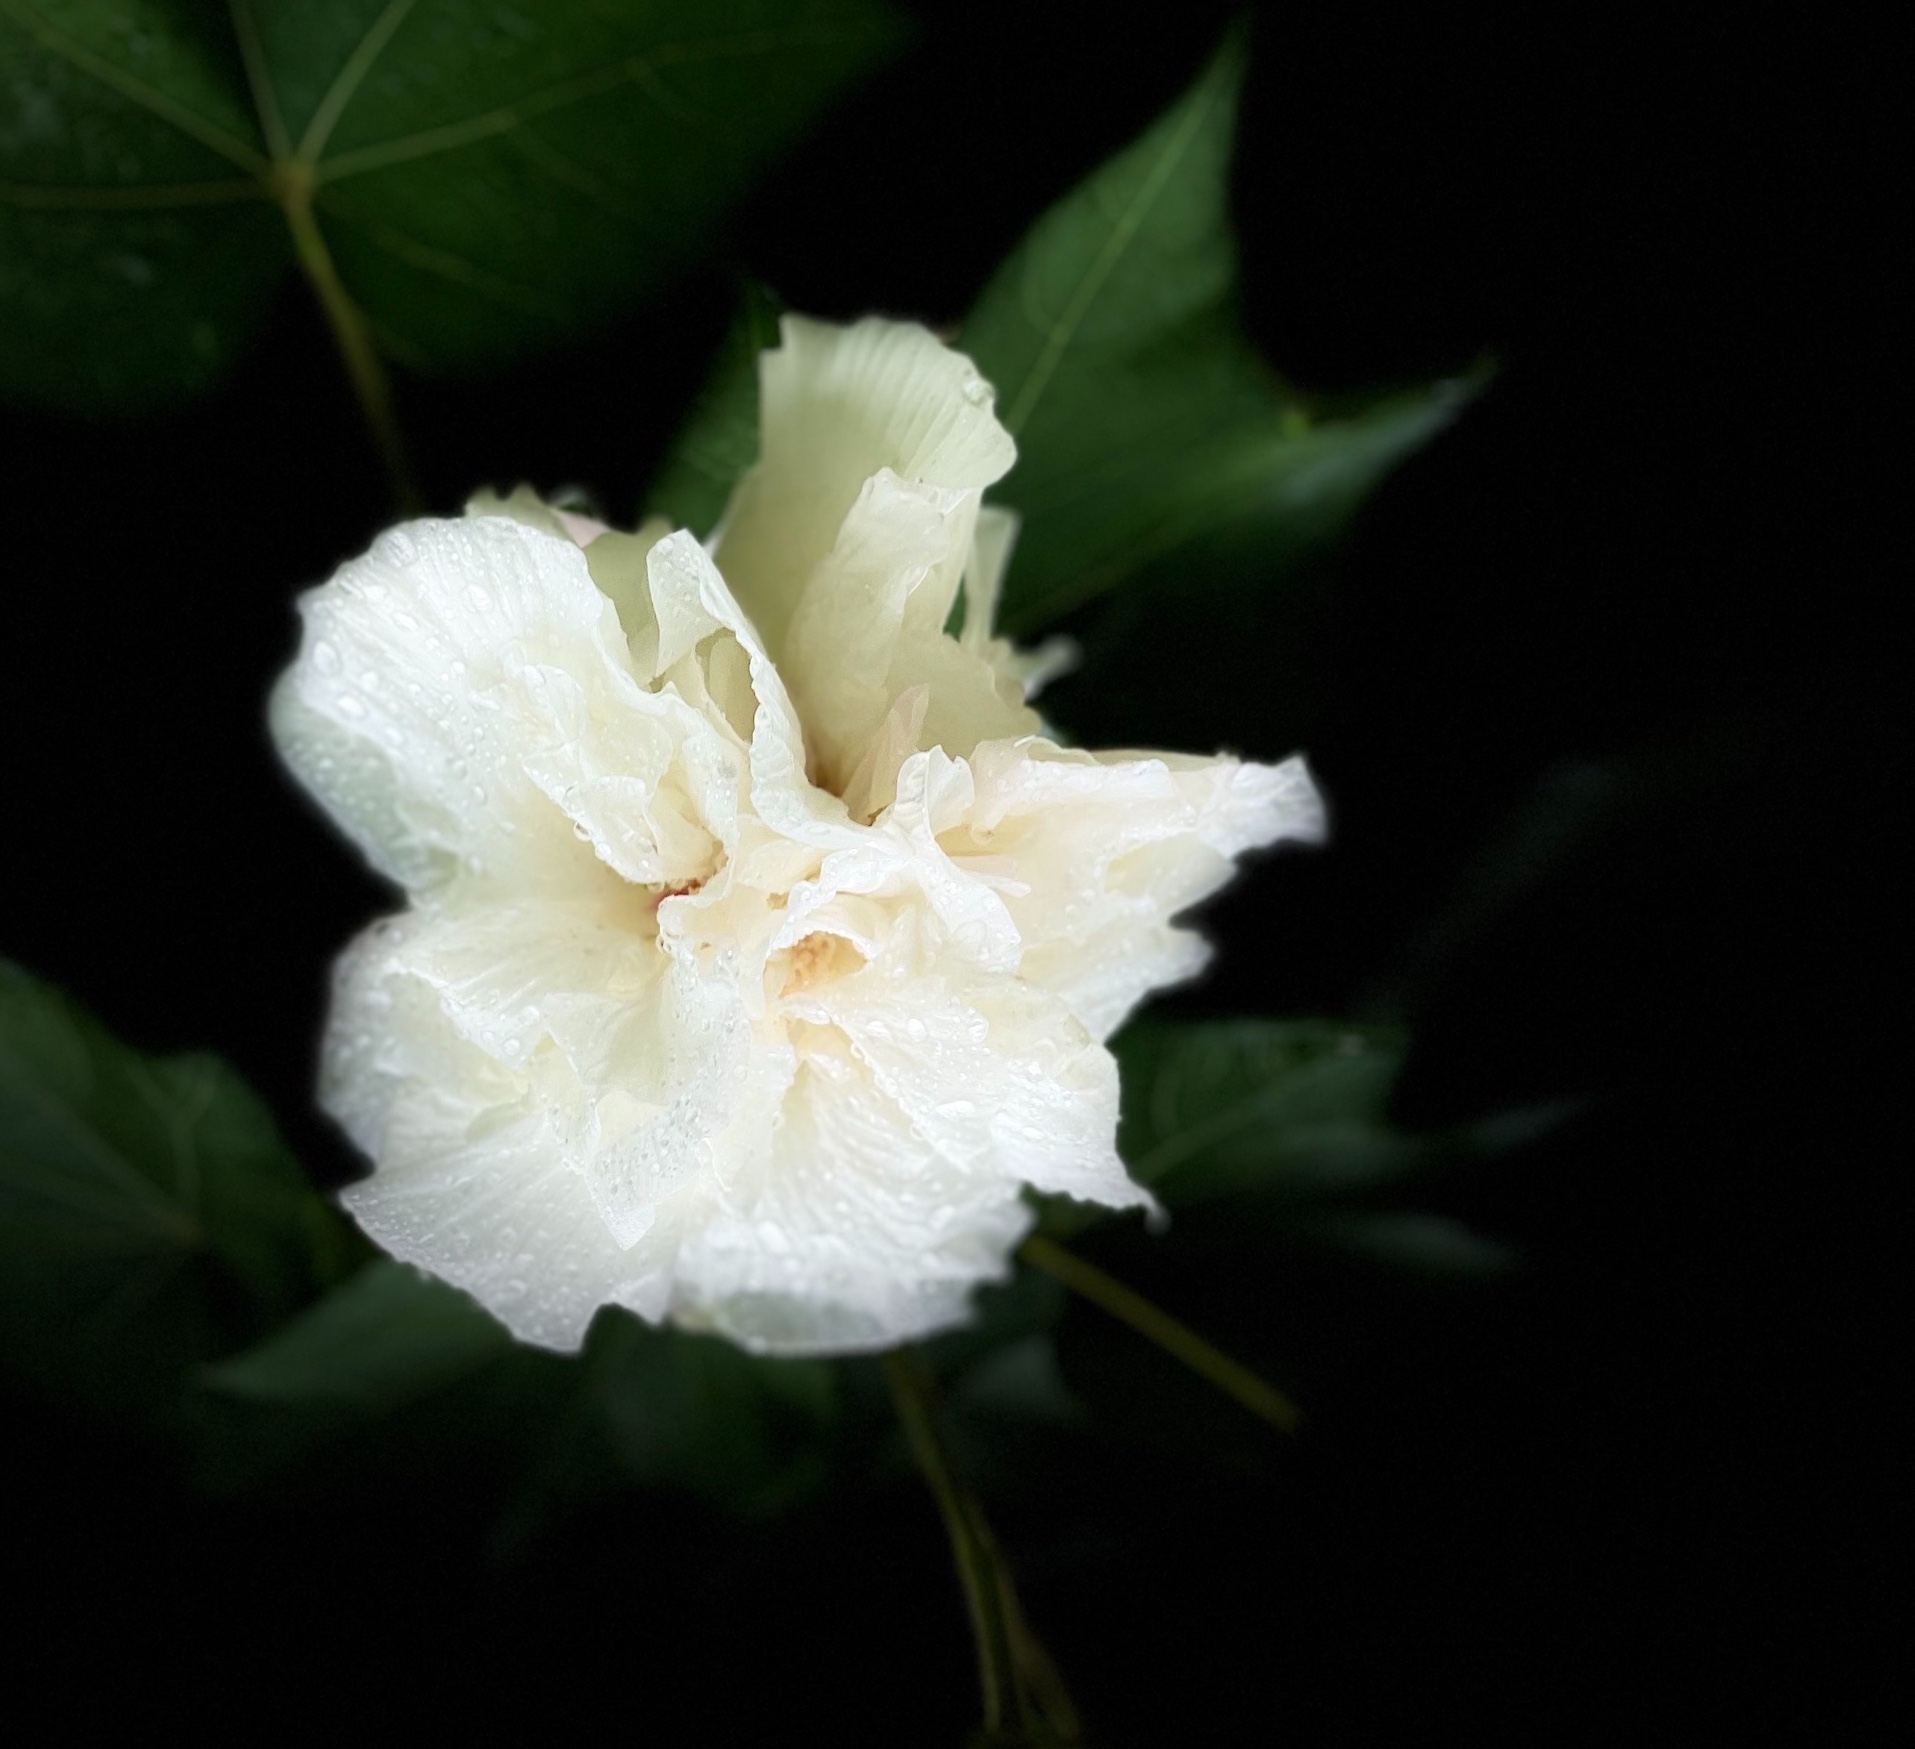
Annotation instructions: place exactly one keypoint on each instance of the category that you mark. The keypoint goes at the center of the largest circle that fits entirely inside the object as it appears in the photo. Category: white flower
(760, 946)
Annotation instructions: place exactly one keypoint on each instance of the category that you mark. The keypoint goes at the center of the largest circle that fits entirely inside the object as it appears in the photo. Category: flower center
(818, 959)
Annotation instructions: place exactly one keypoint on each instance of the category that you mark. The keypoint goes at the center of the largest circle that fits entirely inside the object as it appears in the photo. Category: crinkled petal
(694, 604)
(1109, 847)
(844, 633)
(474, 1180)
(856, 1234)
(637, 1062)
(837, 405)
(994, 1075)
(452, 685)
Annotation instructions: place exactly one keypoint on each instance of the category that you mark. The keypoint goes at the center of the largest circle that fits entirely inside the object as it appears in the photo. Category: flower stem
(1025, 1702)
(1177, 1339)
(292, 185)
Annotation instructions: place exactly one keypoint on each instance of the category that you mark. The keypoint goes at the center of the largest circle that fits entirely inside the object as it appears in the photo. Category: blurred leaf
(387, 1337)
(1298, 1106)
(1287, 1123)
(1411, 1240)
(1146, 424)
(1002, 1313)
(719, 439)
(150, 1216)
(650, 1407)
(395, 1378)
(487, 178)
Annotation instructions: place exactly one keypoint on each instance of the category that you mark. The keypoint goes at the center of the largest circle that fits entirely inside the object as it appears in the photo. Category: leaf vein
(135, 90)
(431, 258)
(154, 197)
(1123, 232)
(641, 70)
(351, 76)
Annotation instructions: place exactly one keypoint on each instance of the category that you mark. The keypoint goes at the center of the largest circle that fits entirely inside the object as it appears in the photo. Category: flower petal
(994, 1074)
(837, 405)
(855, 1234)
(474, 1181)
(636, 1062)
(1108, 847)
(456, 681)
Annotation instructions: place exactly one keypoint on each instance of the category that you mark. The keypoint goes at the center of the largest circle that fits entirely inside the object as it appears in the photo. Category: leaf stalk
(292, 186)
(1156, 1325)
(1024, 1699)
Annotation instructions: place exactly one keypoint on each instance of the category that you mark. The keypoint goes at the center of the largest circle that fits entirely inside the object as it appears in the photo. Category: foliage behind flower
(761, 946)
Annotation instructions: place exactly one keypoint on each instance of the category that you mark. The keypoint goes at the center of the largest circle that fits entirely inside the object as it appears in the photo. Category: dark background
(1602, 715)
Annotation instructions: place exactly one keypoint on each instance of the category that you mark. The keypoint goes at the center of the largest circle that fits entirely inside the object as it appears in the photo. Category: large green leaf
(1147, 426)
(393, 1376)
(396, 1362)
(1154, 444)
(485, 178)
(387, 1337)
(150, 1217)
(1288, 1122)
(1217, 1107)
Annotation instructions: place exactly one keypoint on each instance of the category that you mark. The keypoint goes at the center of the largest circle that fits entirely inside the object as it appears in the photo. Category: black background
(1603, 721)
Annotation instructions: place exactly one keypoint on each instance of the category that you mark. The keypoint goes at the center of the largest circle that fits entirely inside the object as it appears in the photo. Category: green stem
(1179, 1340)
(292, 184)
(973, 1554)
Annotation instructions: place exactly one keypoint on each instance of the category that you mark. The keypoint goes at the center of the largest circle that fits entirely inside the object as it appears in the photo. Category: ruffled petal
(1108, 847)
(856, 1234)
(836, 406)
(633, 1061)
(474, 1181)
(994, 1075)
(455, 683)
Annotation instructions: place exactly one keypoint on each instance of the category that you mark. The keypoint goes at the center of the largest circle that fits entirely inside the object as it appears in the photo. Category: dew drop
(397, 547)
(325, 657)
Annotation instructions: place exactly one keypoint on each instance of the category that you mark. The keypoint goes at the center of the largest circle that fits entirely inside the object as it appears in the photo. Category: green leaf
(394, 1376)
(662, 1408)
(387, 1337)
(150, 1217)
(1147, 426)
(719, 439)
(1288, 1122)
(397, 1372)
(487, 178)
(1300, 1106)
